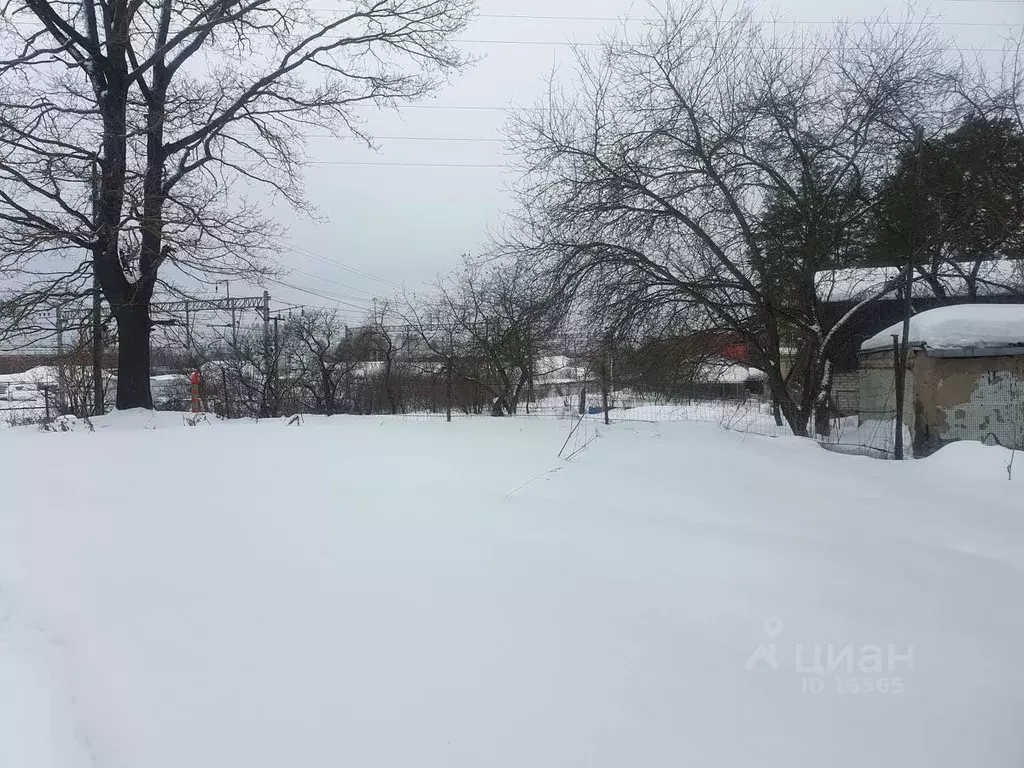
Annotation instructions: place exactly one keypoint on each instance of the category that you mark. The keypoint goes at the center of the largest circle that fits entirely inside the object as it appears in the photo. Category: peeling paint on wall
(979, 398)
(995, 409)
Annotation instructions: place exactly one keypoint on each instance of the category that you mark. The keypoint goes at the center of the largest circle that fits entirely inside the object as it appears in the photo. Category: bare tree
(389, 342)
(996, 90)
(126, 127)
(489, 323)
(325, 356)
(245, 368)
(74, 385)
(648, 188)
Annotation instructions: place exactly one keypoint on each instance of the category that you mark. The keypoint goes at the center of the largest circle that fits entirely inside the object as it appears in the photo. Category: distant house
(998, 281)
(965, 378)
(725, 379)
(558, 376)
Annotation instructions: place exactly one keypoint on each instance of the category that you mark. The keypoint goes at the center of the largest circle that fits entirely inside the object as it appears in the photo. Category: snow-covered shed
(858, 301)
(965, 375)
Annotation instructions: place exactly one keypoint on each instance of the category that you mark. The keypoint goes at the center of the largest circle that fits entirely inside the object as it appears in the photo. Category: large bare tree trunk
(133, 329)
(795, 417)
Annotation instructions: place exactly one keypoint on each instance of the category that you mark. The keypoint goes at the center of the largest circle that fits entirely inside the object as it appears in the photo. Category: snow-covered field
(366, 592)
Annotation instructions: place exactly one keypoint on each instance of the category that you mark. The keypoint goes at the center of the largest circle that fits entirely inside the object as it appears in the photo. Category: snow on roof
(241, 367)
(368, 369)
(726, 372)
(962, 326)
(552, 363)
(559, 369)
(998, 277)
(40, 375)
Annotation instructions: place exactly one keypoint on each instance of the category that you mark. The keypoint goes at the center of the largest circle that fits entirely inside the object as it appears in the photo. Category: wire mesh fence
(391, 372)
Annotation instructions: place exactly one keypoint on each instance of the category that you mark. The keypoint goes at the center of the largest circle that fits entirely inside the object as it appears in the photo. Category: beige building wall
(876, 390)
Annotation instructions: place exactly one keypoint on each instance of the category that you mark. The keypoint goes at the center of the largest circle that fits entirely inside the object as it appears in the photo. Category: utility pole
(529, 386)
(265, 312)
(448, 381)
(276, 360)
(97, 321)
(900, 373)
(604, 377)
(60, 360)
(188, 329)
(900, 364)
(234, 322)
(227, 396)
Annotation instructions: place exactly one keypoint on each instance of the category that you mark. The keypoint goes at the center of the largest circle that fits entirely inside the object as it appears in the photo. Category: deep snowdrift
(365, 593)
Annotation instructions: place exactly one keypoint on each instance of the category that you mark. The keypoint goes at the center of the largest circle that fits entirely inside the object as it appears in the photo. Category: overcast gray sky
(437, 185)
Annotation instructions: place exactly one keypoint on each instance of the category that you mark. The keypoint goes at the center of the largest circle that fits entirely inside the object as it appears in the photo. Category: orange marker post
(195, 392)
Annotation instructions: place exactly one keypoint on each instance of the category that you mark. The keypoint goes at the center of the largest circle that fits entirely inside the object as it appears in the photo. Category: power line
(329, 280)
(710, 47)
(655, 19)
(582, 44)
(353, 318)
(406, 165)
(319, 295)
(648, 19)
(309, 254)
(293, 307)
(459, 107)
(366, 294)
(340, 265)
(468, 139)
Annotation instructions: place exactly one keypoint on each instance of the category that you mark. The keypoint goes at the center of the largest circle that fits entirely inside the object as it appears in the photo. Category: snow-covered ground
(18, 412)
(371, 592)
(21, 395)
(753, 415)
